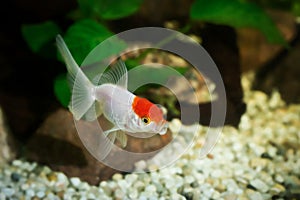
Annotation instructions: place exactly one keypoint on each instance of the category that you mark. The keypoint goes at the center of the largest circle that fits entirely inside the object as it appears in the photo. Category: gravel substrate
(259, 160)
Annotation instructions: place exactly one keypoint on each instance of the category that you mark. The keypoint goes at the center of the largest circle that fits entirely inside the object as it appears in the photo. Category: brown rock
(7, 143)
(276, 67)
(57, 144)
(255, 51)
(220, 42)
(282, 75)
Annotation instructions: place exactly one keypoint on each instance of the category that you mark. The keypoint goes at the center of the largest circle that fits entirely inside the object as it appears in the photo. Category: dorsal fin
(117, 74)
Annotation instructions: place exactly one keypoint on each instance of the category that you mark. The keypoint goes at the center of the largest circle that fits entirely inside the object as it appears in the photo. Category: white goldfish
(126, 111)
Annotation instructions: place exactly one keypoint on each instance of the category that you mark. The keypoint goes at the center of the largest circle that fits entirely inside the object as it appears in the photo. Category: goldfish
(111, 98)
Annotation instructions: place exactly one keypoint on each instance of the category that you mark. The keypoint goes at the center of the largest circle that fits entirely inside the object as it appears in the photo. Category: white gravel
(259, 160)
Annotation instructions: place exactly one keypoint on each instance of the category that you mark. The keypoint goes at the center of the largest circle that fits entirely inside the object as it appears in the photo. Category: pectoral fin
(108, 141)
(115, 132)
(113, 129)
(122, 138)
(111, 135)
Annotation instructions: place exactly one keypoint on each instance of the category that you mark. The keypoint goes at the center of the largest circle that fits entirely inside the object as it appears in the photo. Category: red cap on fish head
(144, 108)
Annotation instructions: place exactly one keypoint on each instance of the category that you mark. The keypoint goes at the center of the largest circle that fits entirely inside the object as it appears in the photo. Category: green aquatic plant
(89, 29)
(107, 9)
(292, 6)
(237, 13)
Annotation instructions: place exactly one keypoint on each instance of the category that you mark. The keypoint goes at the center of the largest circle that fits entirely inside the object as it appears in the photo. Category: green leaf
(237, 14)
(154, 74)
(296, 8)
(83, 36)
(38, 36)
(108, 9)
(62, 90)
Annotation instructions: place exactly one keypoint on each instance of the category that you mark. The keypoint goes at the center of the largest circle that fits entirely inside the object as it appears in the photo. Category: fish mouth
(162, 128)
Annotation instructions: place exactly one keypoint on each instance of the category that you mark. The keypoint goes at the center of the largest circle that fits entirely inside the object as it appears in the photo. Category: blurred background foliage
(292, 6)
(89, 26)
(239, 35)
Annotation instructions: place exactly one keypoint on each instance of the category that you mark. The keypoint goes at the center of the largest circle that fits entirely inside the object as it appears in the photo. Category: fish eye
(146, 120)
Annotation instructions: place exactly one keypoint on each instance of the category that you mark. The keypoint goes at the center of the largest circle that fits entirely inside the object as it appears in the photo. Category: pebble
(277, 188)
(253, 195)
(131, 178)
(105, 187)
(241, 181)
(216, 173)
(266, 178)
(237, 147)
(258, 150)
(266, 196)
(153, 167)
(140, 165)
(150, 188)
(52, 177)
(40, 194)
(117, 177)
(139, 185)
(221, 187)
(52, 196)
(133, 194)
(30, 193)
(258, 163)
(195, 184)
(119, 194)
(75, 181)
(122, 184)
(272, 151)
(208, 192)
(175, 126)
(61, 183)
(15, 177)
(259, 185)
(216, 195)
(8, 192)
(230, 197)
(17, 163)
(176, 196)
(189, 179)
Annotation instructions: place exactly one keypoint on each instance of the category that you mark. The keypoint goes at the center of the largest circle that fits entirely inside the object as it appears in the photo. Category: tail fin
(82, 89)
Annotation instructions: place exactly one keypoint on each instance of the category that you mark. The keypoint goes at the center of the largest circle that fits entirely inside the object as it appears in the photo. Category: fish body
(110, 97)
(129, 112)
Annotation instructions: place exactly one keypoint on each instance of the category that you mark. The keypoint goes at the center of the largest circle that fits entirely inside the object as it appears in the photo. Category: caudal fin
(82, 89)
